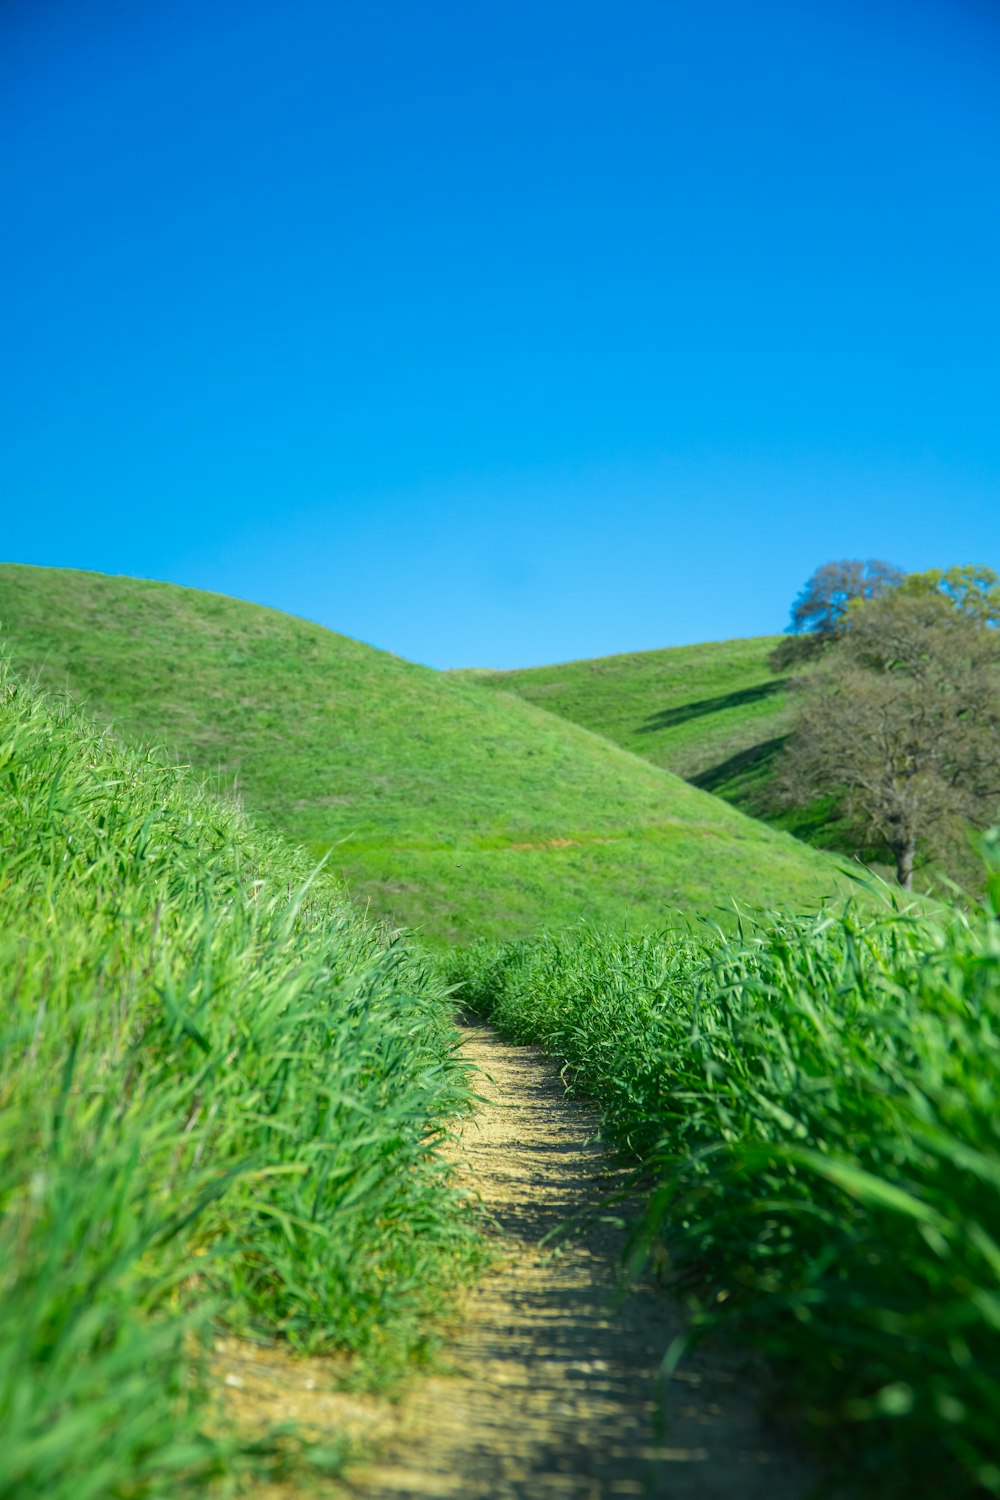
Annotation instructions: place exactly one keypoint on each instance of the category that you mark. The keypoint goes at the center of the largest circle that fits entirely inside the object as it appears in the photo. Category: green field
(221, 1094)
(449, 807)
(223, 1085)
(714, 713)
(814, 1111)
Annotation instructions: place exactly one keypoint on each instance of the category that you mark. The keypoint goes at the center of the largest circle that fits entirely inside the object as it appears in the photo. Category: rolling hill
(713, 713)
(446, 805)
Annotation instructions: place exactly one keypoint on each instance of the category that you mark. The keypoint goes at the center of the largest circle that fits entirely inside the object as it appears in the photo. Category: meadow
(812, 1109)
(714, 713)
(222, 1092)
(224, 1085)
(695, 710)
(448, 807)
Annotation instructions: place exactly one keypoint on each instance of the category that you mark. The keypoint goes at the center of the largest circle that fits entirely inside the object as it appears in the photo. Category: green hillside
(714, 710)
(446, 805)
(223, 1092)
(714, 713)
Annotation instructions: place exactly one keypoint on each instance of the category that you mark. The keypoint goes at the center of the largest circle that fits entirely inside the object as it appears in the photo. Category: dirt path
(552, 1390)
(555, 1384)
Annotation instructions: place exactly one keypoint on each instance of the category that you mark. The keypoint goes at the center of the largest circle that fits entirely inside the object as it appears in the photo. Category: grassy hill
(447, 805)
(223, 1092)
(714, 713)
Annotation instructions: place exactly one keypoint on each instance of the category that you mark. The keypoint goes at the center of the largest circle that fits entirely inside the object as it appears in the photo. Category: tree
(901, 721)
(974, 591)
(820, 610)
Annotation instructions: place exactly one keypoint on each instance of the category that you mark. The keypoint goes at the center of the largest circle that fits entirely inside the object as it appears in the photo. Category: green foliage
(448, 807)
(901, 724)
(221, 1095)
(816, 1106)
(973, 590)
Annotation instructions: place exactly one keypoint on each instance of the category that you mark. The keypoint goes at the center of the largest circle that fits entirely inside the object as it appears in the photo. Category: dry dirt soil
(551, 1384)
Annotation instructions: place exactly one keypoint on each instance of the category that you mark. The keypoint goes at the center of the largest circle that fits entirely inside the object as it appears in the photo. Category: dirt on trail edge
(553, 1384)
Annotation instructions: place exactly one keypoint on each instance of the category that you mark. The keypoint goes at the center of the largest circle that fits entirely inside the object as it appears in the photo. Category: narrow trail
(552, 1388)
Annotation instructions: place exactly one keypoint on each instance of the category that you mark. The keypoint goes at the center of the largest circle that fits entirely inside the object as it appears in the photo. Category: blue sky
(501, 333)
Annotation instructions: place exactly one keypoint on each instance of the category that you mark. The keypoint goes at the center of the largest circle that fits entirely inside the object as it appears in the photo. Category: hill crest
(446, 804)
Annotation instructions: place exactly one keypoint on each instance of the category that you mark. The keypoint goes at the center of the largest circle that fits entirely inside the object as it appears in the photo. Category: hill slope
(713, 713)
(223, 1096)
(447, 805)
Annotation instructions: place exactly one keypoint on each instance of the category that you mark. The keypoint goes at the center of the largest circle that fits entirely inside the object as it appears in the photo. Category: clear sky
(497, 332)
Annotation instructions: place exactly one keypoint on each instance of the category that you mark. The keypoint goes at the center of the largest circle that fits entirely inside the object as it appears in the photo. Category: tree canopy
(901, 720)
(974, 590)
(820, 610)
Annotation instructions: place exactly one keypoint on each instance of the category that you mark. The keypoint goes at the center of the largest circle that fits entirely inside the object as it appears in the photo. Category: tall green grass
(816, 1107)
(221, 1096)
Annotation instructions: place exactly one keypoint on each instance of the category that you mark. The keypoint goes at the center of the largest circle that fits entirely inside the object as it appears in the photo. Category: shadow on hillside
(667, 718)
(751, 762)
(744, 779)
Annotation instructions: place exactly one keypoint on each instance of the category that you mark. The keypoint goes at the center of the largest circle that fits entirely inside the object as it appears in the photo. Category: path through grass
(814, 1109)
(555, 1388)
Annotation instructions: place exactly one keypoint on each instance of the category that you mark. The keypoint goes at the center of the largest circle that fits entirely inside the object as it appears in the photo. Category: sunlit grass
(816, 1109)
(714, 713)
(447, 806)
(221, 1091)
